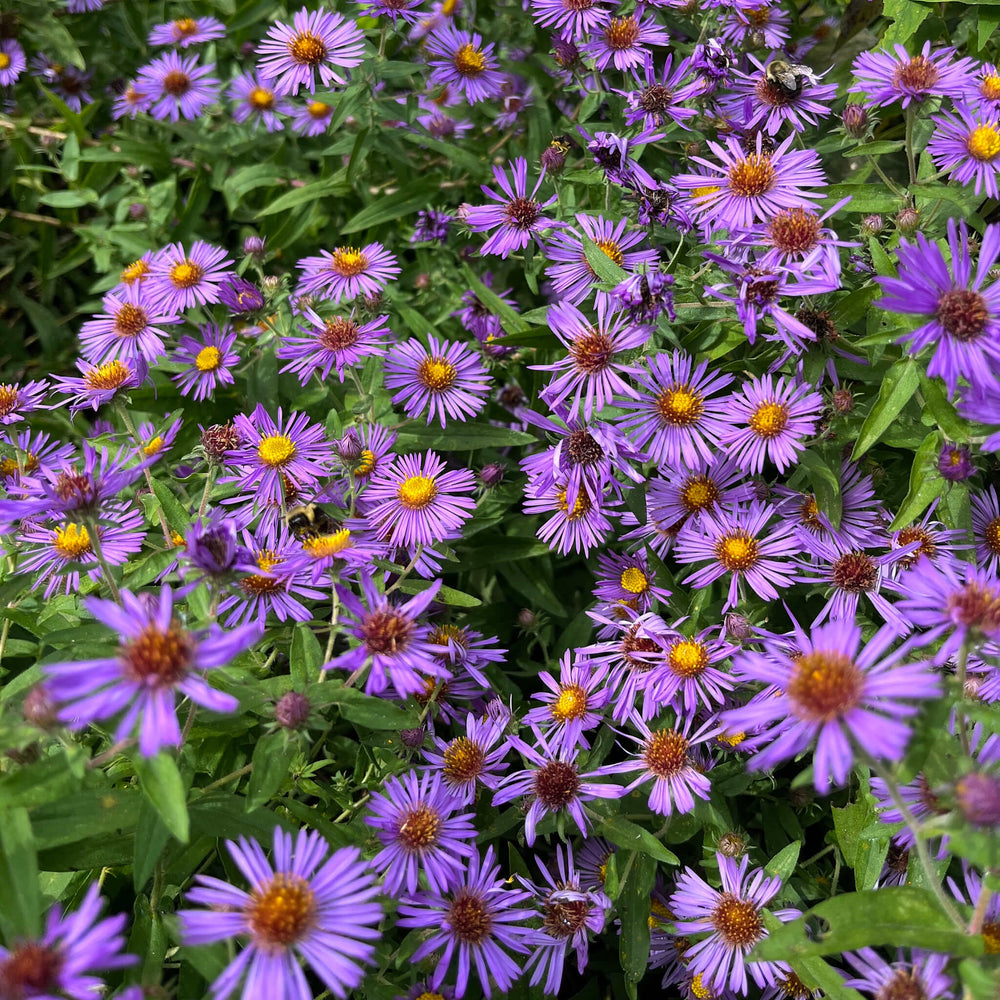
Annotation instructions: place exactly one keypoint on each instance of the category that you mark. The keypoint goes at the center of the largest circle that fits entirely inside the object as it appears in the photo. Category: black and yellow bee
(789, 78)
(307, 521)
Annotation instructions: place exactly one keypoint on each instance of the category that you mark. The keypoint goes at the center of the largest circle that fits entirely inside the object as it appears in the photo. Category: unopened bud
(872, 225)
(217, 440)
(843, 401)
(292, 710)
(737, 627)
(908, 221)
(413, 739)
(137, 210)
(253, 246)
(422, 281)
(39, 709)
(692, 149)
(491, 475)
(553, 160)
(526, 618)
(349, 447)
(856, 120)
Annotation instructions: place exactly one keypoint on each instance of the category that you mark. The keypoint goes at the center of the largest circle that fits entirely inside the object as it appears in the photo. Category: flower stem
(960, 723)
(130, 425)
(93, 529)
(911, 161)
(982, 904)
(225, 779)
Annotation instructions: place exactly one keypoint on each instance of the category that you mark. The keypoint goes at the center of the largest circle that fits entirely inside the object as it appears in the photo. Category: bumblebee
(789, 78)
(309, 521)
(563, 144)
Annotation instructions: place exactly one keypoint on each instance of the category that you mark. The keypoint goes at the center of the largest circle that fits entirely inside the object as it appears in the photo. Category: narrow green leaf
(151, 837)
(460, 437)
(601, 264)
(509, 319)
(373, 713)
(406, 201)
(943, 410)
(898, 387)
(161, 783)
(925, 482)
(178, 518)
(634, 908)
(68, 199)
(272, 756)
(784, 862)
(445, 595)
(826, 485)
(630, 835)
(20, 903)
(331, 187)
(305, 657)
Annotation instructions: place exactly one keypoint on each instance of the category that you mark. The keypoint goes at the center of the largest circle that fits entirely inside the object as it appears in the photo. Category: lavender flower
(257, 102)
(570, 18)
(99, 384)
(18, 400)
(624, 42)
(339, 342)
(925, 975)
(176, 86)
(468, 761)
(187, 31)
(179, 280)
(348, 272)
(207, 361)
(463, 63)
(12, 62)
(886, 78)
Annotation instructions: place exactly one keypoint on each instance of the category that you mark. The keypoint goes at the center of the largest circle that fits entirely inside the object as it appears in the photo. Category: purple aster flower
(665, 758)
(207, 361)
(177, 86)
(187, 31)
(392, 637)
(957, 602)
(922, 803)
(751, 187)
(431, 227)
(589, 372)
(966, 145)
(625, 41)
(571, 706)
(258, 102)
(130, 102)
(305, 904)
(481, 920)
(553, 784)
(468, 650)
(66, 81)
(316, 42)
(212, 552)
(570, 18)
(986, 529)
(985, 85)
(646, 296)
(955, 463)
(414, 501)
(240, 296)
(62, 962)
(963, 318)
(516, 96)
(312, 118)
(441, 126)
(394, 10)
(625, 579)
(376, 444)
(571, 274)
(130, 327)
(982, 404)
(748, 23)
(445, 380)
(886, 78)
(579, 528)
(179, 280)
(348, 272)
(778, 416)
(732, 915)
(688, 678)
(617, 155)
(932, 539)
(826, 691)
(662, 100)
(414, 820)
(923, 976)
(741, 544)
(18, 400)
(517, 214)
(673, 419)
(272, 450)
(57, 553)
(464, 63)
(470, 761)
(12, 62)
(339, 342)
(157, 657)
(713, 61)
(99, 384)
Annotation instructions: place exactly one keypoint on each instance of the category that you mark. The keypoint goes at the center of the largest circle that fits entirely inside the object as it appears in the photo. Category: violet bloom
(963, 318)
(208, 361)
(748, 187)
(472, 760)
(312, 118)
(690, 680)
(740, 544)
(348, 272)
(413, 817)
(444, 380)
(130, 327)
(62, 962)
(415, 501)
(99, 384)
(240, 296)
(431, 227)
(553, 783)
(12, 62)
(179, 280)
(339, 342)
(317, 42)
(646, 296)
(157, 657)
(468, 650)
(986, 529)
(589, 374)
(176, 86)
(772, 420)
(924, 976)
(826, 692)
(306, 903)
(274, 450)
(955, 463)
(886, 78)
(481, 920)
(749, 26)
(982, 404)
(257, 103)
(463, 63)
(732, 915)
(570, 18)
(187, 31)
(393, 638)
(577, 528)
(572, 705)
(66, 81)
(395, 10)
(624, 41)
(966, 145)
(662, 100)
(517, 218)
(18, 400)
(625, 579)
(674, 419)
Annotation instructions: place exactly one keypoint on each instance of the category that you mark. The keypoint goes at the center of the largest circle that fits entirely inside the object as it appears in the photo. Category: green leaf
(925, 482)
(305, 659)
(178, 518)
(331, 187)
(509, 320)
(634, 909)
(384, 208)
(445, 595)
(907, 15)
(373, 713)
(826, 485)
(875, 148)
(161, 783)
(601, 264)
(902, 916)
(848, 823)
(943, 410)
(20, 903)
(630, 835)
(784, 862)
(461, 437)
(510, 549)
(151, 837)
(96, 813)
(881, 260)
(898, 387)
(272, 757)
(68, 199)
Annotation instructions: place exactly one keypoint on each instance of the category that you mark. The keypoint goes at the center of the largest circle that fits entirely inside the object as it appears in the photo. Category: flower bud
(413, 739)
(137, 210)
(552, 160)
(292, 710)
(843, 401)
(349, 447)
(253, 246)
(872, 225)
(856, 120)
(491, 475)
(908, 221)
(39, 709)
(955, 463)
(737, 627)
(526, 618)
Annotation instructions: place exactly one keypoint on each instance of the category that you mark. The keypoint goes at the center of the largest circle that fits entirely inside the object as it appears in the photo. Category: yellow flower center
(737, 551)
(154, 447)
(208, 359)
(324, 546)
(366, 465)
(278, 449)
(571, 703)
(317, 109)
(109, 376)
(751, 177)
(71, 541)
(417, 492)
(261, 98)
(984, 143)
(688, 657)
(678, 406)
(580, 507)
(437, 374)
(634, 580)
(307, 49)
(282, 912)
(348, 262)
(705, 192)
(5, 60)
(825, 686)
(658, 914)
(991, 536)
(130, 320)
(768, 420)
(469, 61)
(990, 87)
(699, 989)
(135, 271)
(187, 274)
(699, 493)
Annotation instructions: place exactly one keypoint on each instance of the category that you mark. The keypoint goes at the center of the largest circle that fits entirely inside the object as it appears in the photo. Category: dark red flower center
(855, 573)
(562, 918)
(556, 784)
(794, 230)
(30, 970)
(156, 658)
(522, 212)
(469, 918)
(386, 632)
(963, 314)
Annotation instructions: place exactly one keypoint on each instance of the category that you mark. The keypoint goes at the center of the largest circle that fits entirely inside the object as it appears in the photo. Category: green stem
(209, 479)
(885, 180)
(232, 776)
(130, 425)
(911, 161)
(334, 614)
(407, 569)
(93, 529)
(960, 722)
